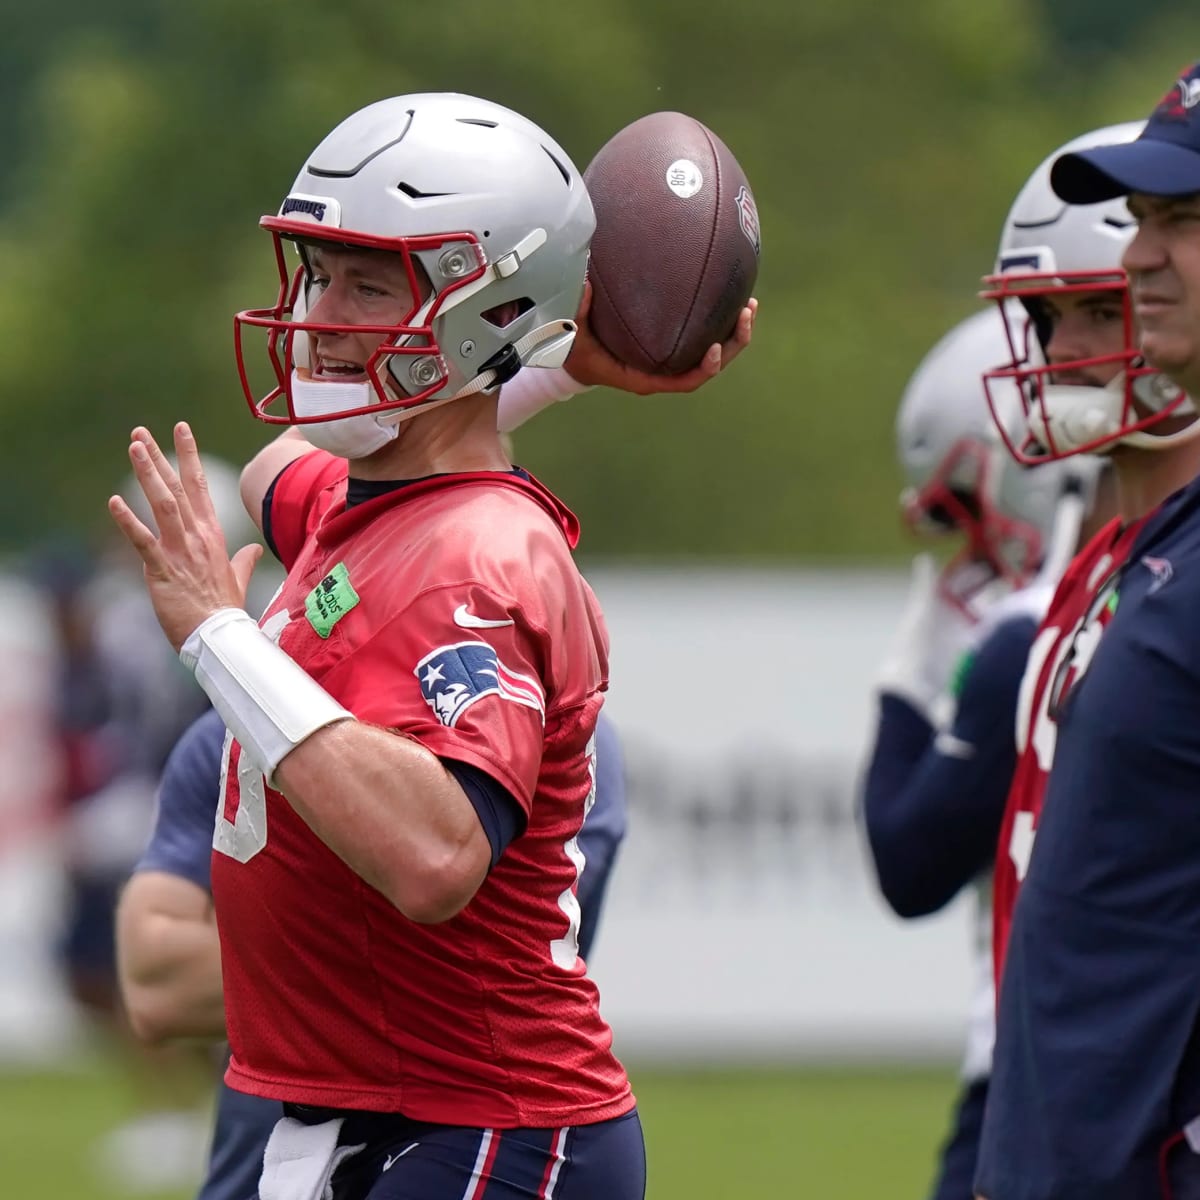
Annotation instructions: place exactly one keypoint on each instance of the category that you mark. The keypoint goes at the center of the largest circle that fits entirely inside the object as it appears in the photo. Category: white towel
(299, 1161)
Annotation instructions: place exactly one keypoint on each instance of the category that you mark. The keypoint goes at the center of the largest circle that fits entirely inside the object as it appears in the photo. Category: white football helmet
(960, 477)
(1047, 247)
(478, 200)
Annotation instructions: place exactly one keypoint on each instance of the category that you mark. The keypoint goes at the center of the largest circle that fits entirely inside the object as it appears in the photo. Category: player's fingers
(166, 502)
(191, 475)
(720, 354)
(166, 471)
(743, 332)
(243, 564)
(689, 381)
(746, 319)
(138, 536)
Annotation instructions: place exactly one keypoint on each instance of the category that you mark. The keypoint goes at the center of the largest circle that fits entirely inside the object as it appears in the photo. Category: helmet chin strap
(546, 346)
(1156, 392)
(1143, 439)
(1072, 415)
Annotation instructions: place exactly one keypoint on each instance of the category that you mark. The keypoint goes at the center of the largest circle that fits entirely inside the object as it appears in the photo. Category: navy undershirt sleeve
(932, 806)
(268, 499)
(187, 804)
(499, 813)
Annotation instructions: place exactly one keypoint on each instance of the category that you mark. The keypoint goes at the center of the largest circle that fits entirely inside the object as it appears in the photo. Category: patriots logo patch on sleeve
(453, 677)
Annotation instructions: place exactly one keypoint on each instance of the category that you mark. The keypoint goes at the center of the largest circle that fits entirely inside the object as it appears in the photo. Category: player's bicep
(264, 468)
(290, 504)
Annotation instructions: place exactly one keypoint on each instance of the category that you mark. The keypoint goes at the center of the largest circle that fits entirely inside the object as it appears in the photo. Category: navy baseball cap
(1163, 161)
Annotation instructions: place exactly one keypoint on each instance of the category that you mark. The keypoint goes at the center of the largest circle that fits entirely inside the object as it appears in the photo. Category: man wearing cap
(1096, 1080)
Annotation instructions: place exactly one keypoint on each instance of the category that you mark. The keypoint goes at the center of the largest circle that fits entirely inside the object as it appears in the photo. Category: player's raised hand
(590, 363)
(933, 632)
(188, 572)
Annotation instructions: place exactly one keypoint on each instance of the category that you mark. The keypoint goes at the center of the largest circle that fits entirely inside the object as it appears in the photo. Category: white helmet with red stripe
(960, 479)
(493, 222)
(1049, 247)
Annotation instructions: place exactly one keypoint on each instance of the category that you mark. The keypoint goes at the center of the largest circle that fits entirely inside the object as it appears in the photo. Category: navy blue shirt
(932, 805)
(182, 845)
(1097, 1065)
(602, 833)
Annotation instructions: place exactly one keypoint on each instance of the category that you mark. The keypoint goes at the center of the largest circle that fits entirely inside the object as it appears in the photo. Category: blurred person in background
(938, 773)
(123, 701)
(937, 785)
(37, 1020)
(1069, 343)
(1096, 1084)
(465, 819)
(114, 696)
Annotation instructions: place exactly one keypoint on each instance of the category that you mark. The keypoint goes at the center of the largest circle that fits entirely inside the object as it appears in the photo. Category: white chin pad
(327, 398)
(348, 437)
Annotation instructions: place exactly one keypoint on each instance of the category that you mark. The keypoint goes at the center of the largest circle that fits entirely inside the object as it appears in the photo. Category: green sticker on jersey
(958, 677)
(330, 600)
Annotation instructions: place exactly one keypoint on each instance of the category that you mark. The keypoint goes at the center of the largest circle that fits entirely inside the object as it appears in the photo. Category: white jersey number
(246, 835)
(565, 950)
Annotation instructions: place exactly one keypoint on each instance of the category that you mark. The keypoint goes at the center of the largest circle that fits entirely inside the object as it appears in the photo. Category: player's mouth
(338, 370)
(1070, 378)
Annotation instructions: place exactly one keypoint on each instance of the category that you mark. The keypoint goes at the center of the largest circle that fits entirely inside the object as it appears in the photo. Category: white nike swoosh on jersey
(953, 747)
(393, 1158)
(468, 620)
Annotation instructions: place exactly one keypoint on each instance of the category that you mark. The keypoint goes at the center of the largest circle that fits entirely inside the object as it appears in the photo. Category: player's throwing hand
(189, 574)
(589, 363)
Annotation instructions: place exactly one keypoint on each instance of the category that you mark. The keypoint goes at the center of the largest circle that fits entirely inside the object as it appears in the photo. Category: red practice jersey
(1059, 656)
(449, 610)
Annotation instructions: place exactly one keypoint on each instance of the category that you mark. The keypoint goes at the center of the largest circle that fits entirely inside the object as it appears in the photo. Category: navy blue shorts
(88, 941)
(956, 1178)
(413, 1160)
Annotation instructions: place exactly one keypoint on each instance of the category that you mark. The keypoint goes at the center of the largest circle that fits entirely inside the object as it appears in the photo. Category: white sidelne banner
(743, 921)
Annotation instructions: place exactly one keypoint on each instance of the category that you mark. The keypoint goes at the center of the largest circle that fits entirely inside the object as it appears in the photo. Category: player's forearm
(170, 975)
(388, 809)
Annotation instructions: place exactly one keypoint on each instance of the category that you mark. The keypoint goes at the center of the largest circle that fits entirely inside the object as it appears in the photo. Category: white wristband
(531, 390)
(266, 699)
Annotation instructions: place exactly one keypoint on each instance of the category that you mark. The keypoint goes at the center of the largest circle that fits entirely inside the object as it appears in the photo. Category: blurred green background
(142, 140)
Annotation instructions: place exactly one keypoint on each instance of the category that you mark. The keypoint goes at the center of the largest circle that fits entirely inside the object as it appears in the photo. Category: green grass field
(711, 1135)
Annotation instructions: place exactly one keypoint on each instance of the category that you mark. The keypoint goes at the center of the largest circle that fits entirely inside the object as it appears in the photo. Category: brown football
(675, 253)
